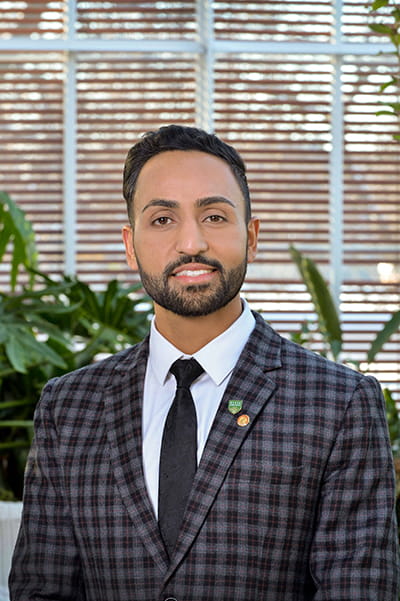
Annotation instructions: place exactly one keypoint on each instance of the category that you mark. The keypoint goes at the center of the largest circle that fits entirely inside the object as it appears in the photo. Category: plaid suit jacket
(297, 505)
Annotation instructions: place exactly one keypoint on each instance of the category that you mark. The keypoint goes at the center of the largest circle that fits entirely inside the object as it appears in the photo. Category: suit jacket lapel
(123, 403)
(250, 384)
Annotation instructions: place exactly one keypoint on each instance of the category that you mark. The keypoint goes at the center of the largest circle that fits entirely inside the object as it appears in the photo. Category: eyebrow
(159, 202)
(201, 202)
(211, 200)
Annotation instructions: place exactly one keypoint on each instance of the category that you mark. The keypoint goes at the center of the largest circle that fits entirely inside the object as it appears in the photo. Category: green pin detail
(234, 406)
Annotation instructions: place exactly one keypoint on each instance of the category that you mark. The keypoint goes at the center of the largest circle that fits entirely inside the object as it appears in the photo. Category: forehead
(174, 174)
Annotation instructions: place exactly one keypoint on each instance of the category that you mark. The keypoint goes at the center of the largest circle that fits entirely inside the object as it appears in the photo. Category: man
(293, 494)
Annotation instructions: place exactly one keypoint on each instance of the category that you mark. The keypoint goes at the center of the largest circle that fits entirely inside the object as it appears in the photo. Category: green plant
(386, 15)
(47, 328)
(17, 231)
(328, 319)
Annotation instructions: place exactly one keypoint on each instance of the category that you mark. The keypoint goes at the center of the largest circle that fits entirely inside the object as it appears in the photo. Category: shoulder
(92, 379)
(306, 384)
(309, 368)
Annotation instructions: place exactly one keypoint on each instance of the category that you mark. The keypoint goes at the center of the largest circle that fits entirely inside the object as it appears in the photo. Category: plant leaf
(5, 405)
(377, 4)
(23, 350)
(16, 423)
(19, 230)
(328, 317)
(5, 232)
(383, 336)
(381, 28)
(16, 356)
(110, 295)
(16, 444)
(391, 82)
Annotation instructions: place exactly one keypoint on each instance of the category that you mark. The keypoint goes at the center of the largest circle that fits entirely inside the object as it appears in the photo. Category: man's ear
(252, 231)
(127, 236)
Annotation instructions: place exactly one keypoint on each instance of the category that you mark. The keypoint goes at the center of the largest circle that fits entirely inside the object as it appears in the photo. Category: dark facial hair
(194, 300)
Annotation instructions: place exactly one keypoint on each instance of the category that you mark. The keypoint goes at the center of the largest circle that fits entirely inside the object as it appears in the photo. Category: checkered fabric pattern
(295, 505)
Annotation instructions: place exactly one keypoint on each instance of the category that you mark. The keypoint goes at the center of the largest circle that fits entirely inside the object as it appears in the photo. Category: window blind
(34, 18)
(119, 98)
(145, 18)
(274, 21)
(277, 80)
(31, 141)
(371, 224)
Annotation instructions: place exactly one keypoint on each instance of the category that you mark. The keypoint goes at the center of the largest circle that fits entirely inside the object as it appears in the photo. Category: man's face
(190, 241)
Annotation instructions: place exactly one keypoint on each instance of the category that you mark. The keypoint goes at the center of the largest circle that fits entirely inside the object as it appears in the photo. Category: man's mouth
(193, 273)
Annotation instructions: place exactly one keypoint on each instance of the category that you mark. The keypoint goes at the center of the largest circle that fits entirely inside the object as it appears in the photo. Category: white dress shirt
(218, 358)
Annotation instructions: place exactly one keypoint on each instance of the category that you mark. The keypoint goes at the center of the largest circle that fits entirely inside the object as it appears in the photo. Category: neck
(190, 334)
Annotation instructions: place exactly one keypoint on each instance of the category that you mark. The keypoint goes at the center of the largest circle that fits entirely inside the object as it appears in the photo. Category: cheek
(233, 247)
(150, 256)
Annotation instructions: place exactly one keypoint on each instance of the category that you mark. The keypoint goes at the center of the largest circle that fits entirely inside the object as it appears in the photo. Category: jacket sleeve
(45, 562)
(354, 551)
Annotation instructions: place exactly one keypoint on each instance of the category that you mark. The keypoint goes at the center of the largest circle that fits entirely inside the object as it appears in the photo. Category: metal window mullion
(336, 185)
(70, 165)
(74, 44)
(338, 15)
(205, 66)
(336, 177)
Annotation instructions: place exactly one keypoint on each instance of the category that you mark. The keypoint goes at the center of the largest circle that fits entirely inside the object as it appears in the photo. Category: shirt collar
(218, 357)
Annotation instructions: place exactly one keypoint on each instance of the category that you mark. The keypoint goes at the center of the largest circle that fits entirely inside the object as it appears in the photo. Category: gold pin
(243, 420)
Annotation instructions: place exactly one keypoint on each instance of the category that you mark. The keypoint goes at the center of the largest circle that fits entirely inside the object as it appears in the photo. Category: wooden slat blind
(31, 142)
(355, 20)
(371, 224)
(34, 18)
(274, 21)
(276, 108)
(372, 219)
(119, 98)
(141, 19)
(276, 111)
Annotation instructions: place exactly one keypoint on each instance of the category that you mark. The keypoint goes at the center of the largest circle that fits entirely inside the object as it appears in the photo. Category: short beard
(193, 300)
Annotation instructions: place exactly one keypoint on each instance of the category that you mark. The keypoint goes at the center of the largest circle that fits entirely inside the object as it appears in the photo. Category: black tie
(178, 458)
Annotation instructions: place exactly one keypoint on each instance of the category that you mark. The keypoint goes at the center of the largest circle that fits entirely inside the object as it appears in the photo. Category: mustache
(186, 259)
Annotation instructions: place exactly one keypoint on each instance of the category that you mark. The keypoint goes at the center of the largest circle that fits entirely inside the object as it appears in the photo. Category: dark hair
(178, 137)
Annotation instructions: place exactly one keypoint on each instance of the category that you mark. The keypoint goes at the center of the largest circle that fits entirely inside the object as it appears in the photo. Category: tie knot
(186, 371)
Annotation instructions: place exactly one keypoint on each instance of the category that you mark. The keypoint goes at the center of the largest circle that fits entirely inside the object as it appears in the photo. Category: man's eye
(215, 218)
(161, 221)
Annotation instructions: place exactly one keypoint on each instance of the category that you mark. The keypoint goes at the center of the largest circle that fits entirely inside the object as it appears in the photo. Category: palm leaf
(389, 329)
(328, 318)
(18, 230)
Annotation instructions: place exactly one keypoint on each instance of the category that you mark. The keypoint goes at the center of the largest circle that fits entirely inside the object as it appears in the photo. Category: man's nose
(191, 239)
